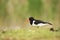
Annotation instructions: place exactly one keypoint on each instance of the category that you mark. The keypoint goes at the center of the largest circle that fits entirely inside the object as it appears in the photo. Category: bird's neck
(31, 22)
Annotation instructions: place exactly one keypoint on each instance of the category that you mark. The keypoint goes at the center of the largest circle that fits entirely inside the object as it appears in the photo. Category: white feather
(40, 24)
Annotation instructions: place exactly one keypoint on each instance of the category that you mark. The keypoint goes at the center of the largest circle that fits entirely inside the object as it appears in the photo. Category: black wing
(40, 21)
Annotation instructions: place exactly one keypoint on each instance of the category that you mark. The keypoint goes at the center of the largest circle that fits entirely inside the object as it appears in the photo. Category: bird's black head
(31, 18)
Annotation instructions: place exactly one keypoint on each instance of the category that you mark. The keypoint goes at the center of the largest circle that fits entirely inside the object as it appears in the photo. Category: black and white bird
(38, 23)
(35, 22)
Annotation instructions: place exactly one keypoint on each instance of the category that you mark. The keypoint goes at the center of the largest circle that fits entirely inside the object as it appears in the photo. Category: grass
(16, 11)
(30, 34)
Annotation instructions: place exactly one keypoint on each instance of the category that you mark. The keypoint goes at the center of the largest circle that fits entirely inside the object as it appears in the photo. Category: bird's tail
(49, 23)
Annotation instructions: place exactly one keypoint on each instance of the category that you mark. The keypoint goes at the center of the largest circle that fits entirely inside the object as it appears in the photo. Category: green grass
(30, 34)
(39, 9)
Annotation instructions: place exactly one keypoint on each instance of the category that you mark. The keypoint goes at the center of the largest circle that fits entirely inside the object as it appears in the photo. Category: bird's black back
(39, 21)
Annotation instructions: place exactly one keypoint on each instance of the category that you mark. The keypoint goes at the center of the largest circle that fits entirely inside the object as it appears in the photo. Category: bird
(35, 22)
(39, 23)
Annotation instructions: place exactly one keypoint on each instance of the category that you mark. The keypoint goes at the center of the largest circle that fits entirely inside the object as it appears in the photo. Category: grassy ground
(30, 34)
(14, 12)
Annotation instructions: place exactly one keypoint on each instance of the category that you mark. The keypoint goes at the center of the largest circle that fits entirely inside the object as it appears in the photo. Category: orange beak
(26, 21)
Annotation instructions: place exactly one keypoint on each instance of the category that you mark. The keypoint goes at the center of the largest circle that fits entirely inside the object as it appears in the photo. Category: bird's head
(31, 18)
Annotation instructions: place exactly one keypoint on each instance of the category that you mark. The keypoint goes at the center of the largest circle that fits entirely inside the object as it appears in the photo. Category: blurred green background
(14, 13)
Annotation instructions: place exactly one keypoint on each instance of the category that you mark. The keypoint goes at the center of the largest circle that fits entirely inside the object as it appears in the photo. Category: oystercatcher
(38, 23)
(35, 22)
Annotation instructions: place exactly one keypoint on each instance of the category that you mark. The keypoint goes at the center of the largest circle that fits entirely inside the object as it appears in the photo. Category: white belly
(41, 24)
